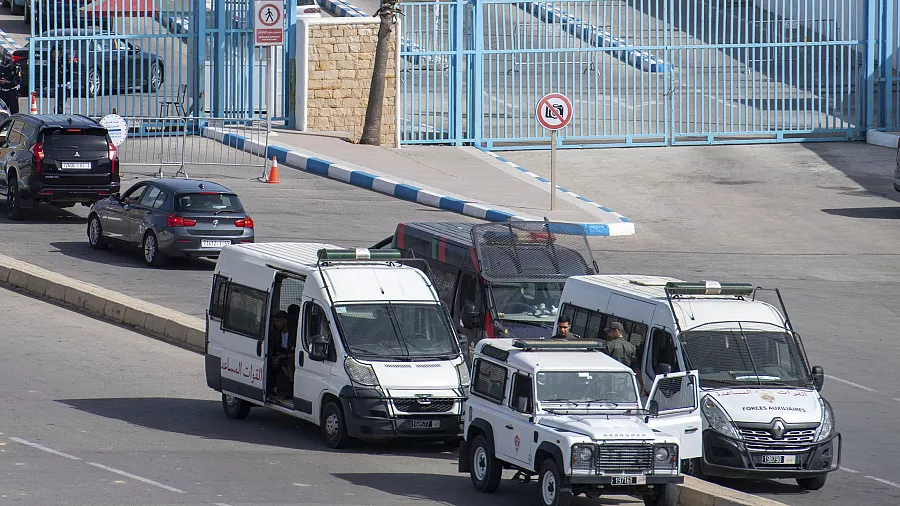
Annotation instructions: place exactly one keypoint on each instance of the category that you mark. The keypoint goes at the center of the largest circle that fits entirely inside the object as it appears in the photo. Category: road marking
(851, 471)
(897, 399)
(886, 482)
(852, 384)
(136, 477)
(44, 448)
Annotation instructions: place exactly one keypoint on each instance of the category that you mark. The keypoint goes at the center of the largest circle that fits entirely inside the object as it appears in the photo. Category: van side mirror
(663, 368)
(470, 317)
(116, 196)
(318, 348)
(818, 373)
(653, 408)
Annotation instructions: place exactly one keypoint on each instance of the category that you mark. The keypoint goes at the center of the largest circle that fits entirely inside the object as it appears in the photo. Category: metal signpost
(268, 31)
(554, 112)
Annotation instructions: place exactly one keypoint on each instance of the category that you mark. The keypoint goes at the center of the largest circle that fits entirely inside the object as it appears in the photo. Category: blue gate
(152, 58)
(639, 72)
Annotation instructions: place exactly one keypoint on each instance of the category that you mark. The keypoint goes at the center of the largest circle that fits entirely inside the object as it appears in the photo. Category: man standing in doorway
(620, 349)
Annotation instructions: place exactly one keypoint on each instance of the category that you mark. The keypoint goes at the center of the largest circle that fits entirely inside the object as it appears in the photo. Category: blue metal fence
(638, 72)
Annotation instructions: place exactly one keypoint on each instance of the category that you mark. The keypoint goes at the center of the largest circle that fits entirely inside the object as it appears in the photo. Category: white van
(374, 352)
(763, 416)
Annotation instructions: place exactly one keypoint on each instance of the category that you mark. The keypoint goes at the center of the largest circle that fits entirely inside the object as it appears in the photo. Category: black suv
(60, 159)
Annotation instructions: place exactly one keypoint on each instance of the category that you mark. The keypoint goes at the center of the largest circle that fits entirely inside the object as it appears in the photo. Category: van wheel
(152, 256)
(334, 430)
(553, 491)
(814, 483)
(13, 209)
(95, 233)
(484, 468)
(663, 495)
(235, 408)
(694, 467)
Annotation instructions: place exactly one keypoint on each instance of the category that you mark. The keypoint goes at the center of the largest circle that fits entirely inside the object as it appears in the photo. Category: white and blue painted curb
(341, 9)
(7, 42)
(410, 193)
(623, 227)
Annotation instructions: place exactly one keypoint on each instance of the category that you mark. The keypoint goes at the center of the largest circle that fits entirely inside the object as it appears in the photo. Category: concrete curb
(147, 318)
(624, 227)
(884, 139)
(696, 492)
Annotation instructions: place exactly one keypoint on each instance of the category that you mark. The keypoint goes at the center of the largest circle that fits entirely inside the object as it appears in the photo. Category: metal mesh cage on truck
(532, 250)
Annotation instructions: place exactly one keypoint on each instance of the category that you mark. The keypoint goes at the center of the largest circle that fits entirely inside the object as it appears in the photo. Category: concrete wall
(335, 57)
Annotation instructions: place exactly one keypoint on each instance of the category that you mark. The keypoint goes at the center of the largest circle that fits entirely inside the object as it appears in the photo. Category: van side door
(311, 377)
(678, 397)
(660, 349)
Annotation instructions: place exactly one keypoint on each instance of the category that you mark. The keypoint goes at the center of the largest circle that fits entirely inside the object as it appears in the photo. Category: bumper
(67, 193)
(178, 245)
(368, 416)
(729, 458)
(576, 479)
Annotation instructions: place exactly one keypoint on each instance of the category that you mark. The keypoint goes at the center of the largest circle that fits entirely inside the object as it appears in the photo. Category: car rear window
(208, 201)
(89, 139)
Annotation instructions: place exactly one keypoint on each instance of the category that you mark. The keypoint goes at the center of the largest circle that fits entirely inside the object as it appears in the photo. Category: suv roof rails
(557, 344)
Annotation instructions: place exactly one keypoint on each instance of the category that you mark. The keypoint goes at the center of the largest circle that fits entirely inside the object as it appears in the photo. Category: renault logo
(215, 223)
(778, 429)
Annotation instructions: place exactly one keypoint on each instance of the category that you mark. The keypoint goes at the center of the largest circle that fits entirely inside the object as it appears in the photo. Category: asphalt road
(819, 221)
(97, 415)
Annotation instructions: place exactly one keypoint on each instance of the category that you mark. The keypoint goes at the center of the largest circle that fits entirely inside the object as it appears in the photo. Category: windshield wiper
(570, 401)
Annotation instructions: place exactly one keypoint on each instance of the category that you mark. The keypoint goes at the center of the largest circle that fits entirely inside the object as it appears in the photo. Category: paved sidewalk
(465, 175)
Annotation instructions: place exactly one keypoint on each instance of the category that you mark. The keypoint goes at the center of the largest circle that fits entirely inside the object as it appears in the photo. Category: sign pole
(270, 91)
(553, 170)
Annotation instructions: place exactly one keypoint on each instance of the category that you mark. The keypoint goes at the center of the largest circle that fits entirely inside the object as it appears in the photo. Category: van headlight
(826, 427)
(359, 373)
(463, 373)
(718, 419)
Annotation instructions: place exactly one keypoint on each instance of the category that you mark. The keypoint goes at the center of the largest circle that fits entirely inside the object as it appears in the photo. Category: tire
(693, 467)
(484, 468)
(93, 83)
(13, 208)
(95, 233)
(663, 495)
(155, 79)
(551, 489)
(236, 409)
(814, 483)
(332, 426)
(150, 249)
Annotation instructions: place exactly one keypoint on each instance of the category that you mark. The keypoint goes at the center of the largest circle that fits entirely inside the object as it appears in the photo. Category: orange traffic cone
(272, 177)
(34, 103)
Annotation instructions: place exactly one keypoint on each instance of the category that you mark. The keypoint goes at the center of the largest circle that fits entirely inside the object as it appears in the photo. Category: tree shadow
(123, 256)
(205, 419)
(874, 213)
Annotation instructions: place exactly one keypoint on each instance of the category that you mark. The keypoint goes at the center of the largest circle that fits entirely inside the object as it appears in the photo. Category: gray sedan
(171, 217)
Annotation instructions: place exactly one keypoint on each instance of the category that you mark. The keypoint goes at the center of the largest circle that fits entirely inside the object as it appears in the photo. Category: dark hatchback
(171, 217)
(60, 159)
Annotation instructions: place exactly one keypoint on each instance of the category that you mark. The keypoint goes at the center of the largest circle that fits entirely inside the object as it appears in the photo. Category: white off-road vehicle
(567, 412)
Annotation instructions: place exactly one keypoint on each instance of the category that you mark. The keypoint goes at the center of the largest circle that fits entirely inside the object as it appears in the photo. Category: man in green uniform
(620, 349)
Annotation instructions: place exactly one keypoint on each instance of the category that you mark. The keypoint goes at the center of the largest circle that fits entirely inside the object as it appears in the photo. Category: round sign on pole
(554, 111)
(117, 128)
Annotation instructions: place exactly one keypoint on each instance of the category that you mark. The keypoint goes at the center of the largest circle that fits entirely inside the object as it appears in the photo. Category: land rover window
(489, 380)
(245, 311)
(521, 389)
(218, 298)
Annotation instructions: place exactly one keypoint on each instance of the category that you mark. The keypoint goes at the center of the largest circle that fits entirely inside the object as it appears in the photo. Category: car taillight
(18, 57)
(244, 222)
(113, 155)
(177, 221)
(311, 10)
(38, 151)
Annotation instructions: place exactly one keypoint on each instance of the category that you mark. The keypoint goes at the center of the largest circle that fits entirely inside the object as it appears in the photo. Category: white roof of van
(555, 360)
(285, 254)
(692, 311)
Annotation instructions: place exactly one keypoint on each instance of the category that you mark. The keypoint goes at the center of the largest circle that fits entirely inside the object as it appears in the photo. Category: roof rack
(709, 288)
(364, 254)
(557, 344)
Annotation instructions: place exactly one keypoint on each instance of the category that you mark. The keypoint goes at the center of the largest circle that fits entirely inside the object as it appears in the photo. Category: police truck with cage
(566, 413)
(763, 415)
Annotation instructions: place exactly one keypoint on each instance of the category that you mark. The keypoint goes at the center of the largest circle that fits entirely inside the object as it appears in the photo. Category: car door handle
(509, 427)
(300, 359)
(690, 430)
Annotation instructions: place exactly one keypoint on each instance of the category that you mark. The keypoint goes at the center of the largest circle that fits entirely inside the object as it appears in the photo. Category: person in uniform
(62, 79)
(10, 81)
(562, 328)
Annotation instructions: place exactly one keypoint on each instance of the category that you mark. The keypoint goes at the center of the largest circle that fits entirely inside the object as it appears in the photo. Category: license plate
(628, 480)
(424, 424)
(76, 165)
(779, 459)
(209, 243)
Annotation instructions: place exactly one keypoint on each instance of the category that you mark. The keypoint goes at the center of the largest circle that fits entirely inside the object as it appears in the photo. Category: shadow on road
(205, 419)
(458, 490)
(124, 256)
(768, 487)
(43, 214)
(875, 213)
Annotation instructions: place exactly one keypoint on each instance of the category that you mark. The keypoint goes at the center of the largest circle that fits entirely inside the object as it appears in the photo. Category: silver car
(171, 217)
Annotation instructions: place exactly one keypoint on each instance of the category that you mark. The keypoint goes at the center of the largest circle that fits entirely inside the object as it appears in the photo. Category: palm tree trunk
(371, 133)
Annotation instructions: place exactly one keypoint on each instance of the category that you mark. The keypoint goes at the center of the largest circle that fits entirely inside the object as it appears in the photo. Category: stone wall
(340, 62)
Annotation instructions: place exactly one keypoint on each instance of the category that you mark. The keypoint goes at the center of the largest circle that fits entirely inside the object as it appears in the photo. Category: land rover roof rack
(557, 344)
(709, 288)
(332, 255)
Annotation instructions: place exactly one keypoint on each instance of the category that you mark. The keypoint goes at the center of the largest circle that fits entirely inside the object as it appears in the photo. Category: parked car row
(64, 160)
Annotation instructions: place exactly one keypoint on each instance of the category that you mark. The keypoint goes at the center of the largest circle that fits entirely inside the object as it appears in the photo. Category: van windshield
(534, 303)
(388, 330)
(745, 354)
